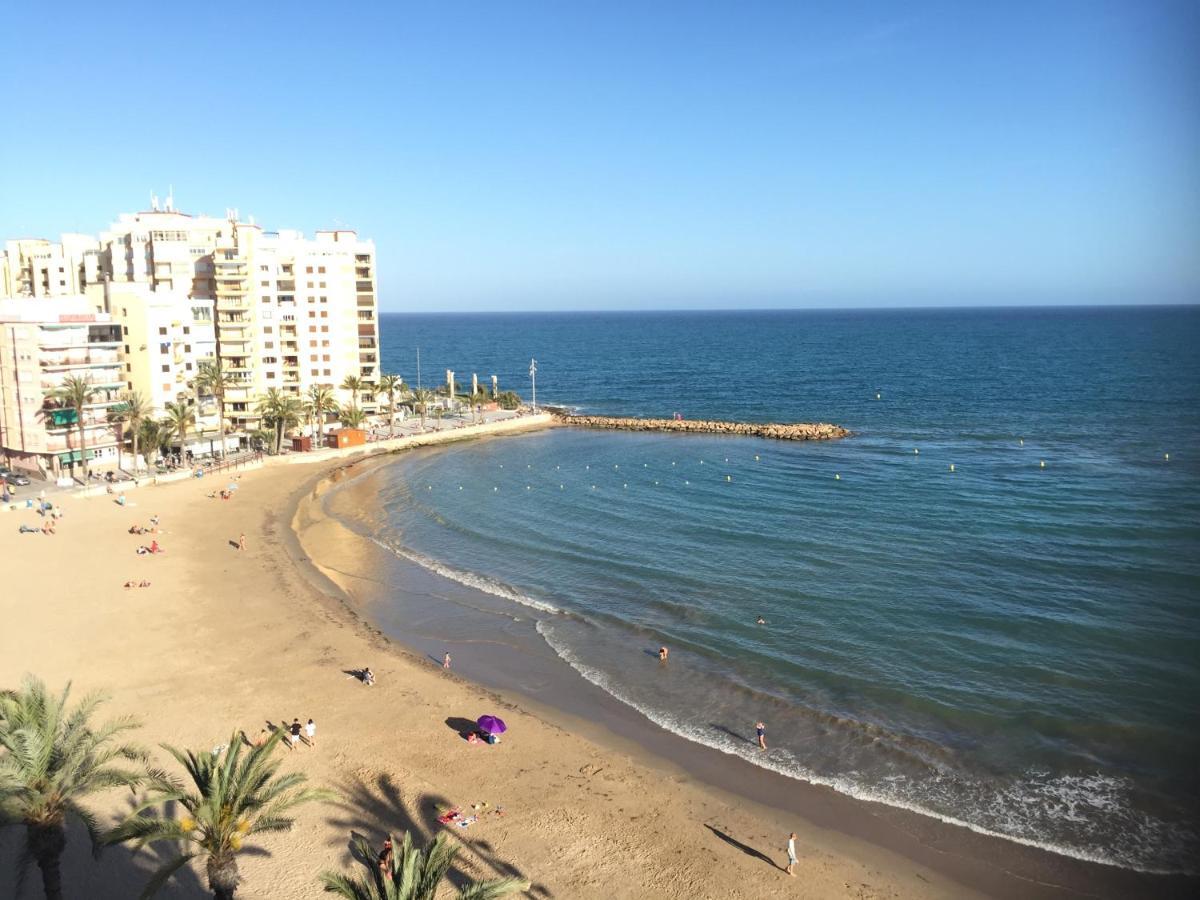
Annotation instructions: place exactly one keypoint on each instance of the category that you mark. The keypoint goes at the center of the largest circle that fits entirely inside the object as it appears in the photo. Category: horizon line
(778, 309)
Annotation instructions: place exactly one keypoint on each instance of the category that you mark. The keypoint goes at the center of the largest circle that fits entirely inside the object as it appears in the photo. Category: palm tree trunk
(120, 441)
(82, 445)
(46, 843)
(135, 451)
(391, 415)
(223, 876)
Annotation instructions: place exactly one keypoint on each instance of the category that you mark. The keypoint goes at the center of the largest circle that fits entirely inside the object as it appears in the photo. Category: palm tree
(421, 398)
(180, 420)
(212, 379)
(391, 385)
(280, 410)
(355, 386)
(231, 796)
(51, 759)
(322, 401)
(77, 393)
(134, 411)
(151, 434)
(413, 873)
(353, 417)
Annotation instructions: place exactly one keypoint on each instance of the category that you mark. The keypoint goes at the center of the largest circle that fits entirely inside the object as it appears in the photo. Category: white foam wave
(1074, 794)
(469, 579)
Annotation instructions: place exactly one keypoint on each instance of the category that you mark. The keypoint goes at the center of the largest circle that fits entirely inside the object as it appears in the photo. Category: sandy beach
(225, 640)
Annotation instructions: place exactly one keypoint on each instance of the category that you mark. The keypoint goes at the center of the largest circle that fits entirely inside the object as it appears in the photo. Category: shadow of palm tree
(373, 809)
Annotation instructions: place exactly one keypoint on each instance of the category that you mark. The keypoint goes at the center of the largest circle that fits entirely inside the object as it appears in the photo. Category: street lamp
(533, 378)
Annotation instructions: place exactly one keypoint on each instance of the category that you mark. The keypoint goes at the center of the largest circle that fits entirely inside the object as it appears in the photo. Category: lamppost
(533, 378)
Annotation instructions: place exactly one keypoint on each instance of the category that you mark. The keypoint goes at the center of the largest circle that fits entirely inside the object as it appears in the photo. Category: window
(320, 270)
(166, 368)
(166, 388)
(324, 299)
(270, 375)
(324, 314)
(326, 371)
(321, 284)
(265, 284)
(312, 343)
(269, 345)
(162, 330)
(324, 343)
(187, 329)
(325, 358)
(316, 372)
(312, 328)
(126, 348)
(189, 367)
(125, 330)
(312, 313)
(187, 348)
(324, 328)
(129, 368)
(267, 329)
(265, 299)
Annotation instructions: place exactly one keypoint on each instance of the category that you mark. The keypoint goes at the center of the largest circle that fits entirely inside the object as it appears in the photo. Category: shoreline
(225, 639)
(990, 863)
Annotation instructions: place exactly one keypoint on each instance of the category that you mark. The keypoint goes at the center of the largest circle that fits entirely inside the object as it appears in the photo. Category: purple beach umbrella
(491, 725)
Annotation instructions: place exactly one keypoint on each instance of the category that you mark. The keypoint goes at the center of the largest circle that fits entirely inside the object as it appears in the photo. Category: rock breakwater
(791, 431)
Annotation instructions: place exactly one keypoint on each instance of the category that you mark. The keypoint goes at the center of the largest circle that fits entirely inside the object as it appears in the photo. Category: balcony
(364, 287)
(365, 331)
(367, 358)
(366, 301)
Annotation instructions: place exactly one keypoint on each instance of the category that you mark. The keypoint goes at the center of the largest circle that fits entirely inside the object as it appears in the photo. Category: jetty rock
(781, 431)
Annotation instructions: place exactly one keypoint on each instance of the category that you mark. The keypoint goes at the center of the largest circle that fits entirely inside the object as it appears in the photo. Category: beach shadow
(376, 808)
(436, 659)
(234, 545)
(463, 726)
(745, 848)
(731, 733)
(653, 653)
(360, 674)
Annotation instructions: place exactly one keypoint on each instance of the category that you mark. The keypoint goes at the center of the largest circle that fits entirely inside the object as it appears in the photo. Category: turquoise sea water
(1009, 646)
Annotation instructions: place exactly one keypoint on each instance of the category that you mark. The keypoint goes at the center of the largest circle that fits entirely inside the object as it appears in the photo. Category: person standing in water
(446, 661)
(663, 652)
(761, 731)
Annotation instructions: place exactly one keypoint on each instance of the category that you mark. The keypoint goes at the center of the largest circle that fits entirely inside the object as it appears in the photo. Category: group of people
(309, 731)
(152, 549)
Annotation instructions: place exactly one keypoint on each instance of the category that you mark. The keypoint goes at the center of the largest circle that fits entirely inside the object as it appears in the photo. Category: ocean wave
(469, 579)
(1015, 812)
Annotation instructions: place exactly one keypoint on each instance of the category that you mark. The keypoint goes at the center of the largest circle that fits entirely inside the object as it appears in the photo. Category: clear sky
(558, 155)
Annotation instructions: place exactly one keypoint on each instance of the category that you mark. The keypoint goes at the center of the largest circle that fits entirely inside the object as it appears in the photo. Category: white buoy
(588, 468)
(1022, 442)
(429, 487)
(528, 466)
(837, 477)
(593, 487)
(685, 481)
(460, 487)
(495, 489)
(727, 459)
(729, 478)
(916, 451)
(756, 457)
(1166, 456)
(615, 466)
(879, 396)
(1043, 464)
(560, 487)
(656, 482)
(502, 465)
(624, 485)
(528, 488)
(951, 467)
(672, 462)
(645, 465)
(556, 468)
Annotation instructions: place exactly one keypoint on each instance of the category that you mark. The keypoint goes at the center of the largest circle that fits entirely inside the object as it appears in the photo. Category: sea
(982, 606)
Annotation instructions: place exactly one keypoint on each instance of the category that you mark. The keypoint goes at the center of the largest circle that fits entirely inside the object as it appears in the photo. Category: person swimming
(760, 621)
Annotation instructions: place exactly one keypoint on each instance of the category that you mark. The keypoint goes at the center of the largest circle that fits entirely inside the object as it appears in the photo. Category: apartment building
(277, 309)
(287, 312)
(42, 342)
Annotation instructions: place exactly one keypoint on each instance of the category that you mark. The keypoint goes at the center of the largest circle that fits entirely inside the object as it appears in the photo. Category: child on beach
(310, 731)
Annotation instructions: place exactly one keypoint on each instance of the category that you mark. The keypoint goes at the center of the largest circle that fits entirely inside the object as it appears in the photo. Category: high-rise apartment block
(272, 309)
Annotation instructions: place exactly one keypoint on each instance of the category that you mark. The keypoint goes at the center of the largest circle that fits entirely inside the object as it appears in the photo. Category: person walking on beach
(663, 653)
(294, 733)
(446, 661)
(791, 851)
(310, 732)
(242, 541)
(761, 731)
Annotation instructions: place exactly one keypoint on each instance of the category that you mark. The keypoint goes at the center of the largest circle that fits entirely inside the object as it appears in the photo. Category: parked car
(16, 478)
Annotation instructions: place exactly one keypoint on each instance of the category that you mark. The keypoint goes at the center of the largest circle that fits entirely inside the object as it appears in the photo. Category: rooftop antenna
(170, 198)
(154, 201)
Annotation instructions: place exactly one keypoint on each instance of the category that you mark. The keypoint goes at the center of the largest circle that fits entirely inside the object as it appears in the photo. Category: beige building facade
(275, 308)
(42, 342)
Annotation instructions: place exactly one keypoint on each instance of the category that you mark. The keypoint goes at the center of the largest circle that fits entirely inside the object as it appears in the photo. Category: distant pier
(793, 431)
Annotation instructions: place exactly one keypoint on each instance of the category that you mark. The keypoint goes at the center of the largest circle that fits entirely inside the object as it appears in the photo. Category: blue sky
(641, 155)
